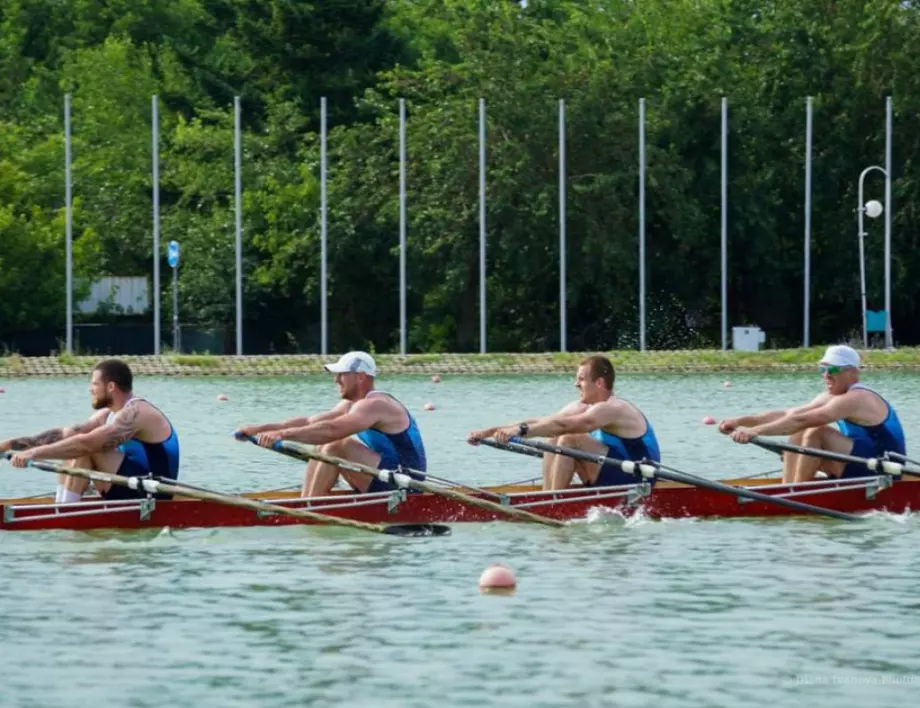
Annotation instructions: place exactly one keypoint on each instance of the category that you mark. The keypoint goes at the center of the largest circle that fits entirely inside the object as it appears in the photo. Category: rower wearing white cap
(387, 435)
(867, 424)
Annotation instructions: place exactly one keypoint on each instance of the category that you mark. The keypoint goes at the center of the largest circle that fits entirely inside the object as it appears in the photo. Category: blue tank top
(887, 436)
(396, 450)
(644, 447)
(159, 459)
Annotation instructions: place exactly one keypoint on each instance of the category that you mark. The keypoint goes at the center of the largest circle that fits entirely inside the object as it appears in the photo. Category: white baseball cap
(355, 362)
(841, 355)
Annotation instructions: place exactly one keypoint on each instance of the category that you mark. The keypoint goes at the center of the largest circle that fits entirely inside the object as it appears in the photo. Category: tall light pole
(641, 224)
(862, 209)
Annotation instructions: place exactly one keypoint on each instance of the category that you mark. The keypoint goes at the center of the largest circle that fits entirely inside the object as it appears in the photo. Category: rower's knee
(797, 438)
(570, 439)
(333, 448)
(812, 437)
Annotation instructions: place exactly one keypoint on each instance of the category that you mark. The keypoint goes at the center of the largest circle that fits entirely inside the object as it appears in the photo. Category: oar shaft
(871, 463)
(153, 486)
(645, 469)
(404, 480)
(691, 479)
(686, 478)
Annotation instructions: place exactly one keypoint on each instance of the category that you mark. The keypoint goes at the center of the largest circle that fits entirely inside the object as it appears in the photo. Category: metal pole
(156, 225)
(862, 260)
(724, 223)
(482, 226)
(861, 210)
(889, 341)
(237, 180)
(177, 345)
(642, 224)
(324, 321)
(402, 226)
(809, 108)
(562, 305)
(68, 196)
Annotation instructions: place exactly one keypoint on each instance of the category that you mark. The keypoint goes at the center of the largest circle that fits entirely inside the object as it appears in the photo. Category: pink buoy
(497, 578)
(709, 420)
(223, 397)
(429, 406)
(435, 379)
(2, 390)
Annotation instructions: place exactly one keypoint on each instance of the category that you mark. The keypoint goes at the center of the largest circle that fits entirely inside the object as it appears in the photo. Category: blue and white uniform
(645, 447)
(144, 458)
(397, 450)
(872, 440)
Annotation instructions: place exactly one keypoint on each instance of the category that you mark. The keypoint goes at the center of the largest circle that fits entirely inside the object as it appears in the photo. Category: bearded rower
(867, 424)
(127, 436)
(386, 434)
(598, 422)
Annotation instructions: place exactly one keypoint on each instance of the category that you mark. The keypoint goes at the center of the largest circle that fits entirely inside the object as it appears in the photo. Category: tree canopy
(442, 56)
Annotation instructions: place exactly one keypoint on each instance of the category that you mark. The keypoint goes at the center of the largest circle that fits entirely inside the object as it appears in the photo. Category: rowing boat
(665, 500)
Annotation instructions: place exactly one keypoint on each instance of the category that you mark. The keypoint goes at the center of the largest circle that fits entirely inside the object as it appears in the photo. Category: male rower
(127, 436)
(387, 435)
(598, 422)
(868, 424)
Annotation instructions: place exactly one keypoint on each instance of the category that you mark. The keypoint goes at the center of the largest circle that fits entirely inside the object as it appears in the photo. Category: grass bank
(697, 360)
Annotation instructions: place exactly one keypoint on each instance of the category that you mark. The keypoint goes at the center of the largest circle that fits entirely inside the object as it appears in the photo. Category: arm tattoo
(121, 429)
(45, 438)
(49, 436)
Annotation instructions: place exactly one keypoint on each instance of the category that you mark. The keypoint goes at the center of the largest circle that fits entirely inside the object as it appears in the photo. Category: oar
(873, 464)
(900, 458)
(648, 468)
(476, 490)
(305, 452)
(154, 486)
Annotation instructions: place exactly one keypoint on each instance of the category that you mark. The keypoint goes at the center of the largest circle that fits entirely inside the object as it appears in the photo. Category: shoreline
(627, 361)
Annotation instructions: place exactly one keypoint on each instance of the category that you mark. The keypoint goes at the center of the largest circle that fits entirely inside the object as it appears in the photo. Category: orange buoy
(223, 397)
(709, 420)
(497, 578)
(435, 379)
(429, 406)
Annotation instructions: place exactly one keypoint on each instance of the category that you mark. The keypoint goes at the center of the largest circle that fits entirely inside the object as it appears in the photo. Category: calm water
(679, 613)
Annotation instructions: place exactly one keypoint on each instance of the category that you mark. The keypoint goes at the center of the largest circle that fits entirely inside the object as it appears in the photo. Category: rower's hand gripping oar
(404, 481)
(649, 468)
(873, 464)
(153, 486)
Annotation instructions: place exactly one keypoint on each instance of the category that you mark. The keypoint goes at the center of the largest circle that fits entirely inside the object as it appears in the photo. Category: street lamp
(873, 209)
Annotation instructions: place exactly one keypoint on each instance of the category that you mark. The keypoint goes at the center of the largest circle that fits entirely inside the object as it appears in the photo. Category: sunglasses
(830, 370)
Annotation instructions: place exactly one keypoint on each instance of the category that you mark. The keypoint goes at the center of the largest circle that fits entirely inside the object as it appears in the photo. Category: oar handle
(511, 447)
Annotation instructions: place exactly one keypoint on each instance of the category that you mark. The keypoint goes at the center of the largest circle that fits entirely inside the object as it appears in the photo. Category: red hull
(668, 500)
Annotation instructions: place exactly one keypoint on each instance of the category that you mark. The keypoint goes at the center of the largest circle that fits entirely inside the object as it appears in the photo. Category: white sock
(70, 497)
(58, 493)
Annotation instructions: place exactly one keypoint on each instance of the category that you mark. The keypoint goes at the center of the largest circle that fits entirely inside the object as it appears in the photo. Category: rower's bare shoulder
(574, 408)
(142, 418)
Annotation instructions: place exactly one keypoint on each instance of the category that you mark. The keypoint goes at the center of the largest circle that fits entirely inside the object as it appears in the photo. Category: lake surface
(607, 613)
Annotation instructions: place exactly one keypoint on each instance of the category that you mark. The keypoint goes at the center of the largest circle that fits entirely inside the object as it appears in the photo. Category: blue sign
(172, 254)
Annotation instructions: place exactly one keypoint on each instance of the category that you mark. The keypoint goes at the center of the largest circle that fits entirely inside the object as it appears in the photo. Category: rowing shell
(666, 500)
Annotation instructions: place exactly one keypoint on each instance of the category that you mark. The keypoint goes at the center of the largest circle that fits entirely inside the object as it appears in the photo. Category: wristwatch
(523, 429)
